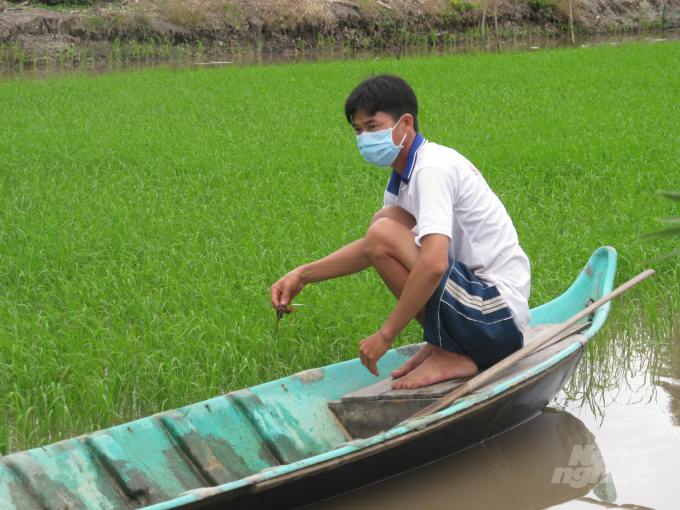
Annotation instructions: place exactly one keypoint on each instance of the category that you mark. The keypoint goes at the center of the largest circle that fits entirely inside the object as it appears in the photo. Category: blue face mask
(377, 147)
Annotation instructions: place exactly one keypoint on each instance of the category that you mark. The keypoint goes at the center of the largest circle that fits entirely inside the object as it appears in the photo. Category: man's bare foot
(440, 366)
(413, 362)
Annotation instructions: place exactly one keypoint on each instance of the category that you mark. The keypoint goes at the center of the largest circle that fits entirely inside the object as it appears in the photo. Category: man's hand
(285, 290)
(373, 348)
(347, 260)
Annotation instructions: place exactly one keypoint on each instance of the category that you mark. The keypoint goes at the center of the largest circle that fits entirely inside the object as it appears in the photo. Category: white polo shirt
(447, 195)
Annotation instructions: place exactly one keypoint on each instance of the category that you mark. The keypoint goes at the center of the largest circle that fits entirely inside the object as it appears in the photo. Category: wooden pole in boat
(506, 363)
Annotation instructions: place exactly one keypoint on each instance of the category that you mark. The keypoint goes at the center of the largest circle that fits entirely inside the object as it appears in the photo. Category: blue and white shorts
(467, 316)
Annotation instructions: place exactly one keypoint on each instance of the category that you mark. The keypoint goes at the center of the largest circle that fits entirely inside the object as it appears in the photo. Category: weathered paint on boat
(276, 443)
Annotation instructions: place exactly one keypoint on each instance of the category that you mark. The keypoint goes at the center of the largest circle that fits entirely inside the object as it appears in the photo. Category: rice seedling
(141, 221)
(672, 231)
(167, 46)
(116, 50)
(20, 55)
(144, 50)
(135, 50)
(17, 54)
(150, 49)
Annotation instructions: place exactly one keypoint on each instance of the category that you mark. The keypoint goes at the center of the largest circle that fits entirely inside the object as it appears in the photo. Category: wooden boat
(303, 438)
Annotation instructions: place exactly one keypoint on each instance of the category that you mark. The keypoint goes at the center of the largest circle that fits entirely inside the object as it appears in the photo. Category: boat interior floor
(378, 407)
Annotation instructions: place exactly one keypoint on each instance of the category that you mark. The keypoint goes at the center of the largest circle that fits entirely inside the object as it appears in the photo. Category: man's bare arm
(347, 260)
(420, 285)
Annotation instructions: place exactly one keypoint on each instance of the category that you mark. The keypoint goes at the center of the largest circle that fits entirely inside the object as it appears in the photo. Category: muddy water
(509, 43)
(616, 425)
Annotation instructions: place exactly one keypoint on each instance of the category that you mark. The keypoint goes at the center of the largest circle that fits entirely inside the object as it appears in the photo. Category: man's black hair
(385, 93)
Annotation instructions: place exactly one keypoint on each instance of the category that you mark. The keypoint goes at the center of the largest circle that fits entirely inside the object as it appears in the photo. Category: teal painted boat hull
(276, 445)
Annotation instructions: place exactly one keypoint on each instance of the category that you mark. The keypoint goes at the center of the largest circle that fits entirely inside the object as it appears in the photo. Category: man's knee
(396, 213)
(377, 237)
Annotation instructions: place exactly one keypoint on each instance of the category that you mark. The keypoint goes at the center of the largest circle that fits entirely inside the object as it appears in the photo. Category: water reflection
(465, 44)
(549, 460)
(627, 365)
(627, 391)
(669, 380)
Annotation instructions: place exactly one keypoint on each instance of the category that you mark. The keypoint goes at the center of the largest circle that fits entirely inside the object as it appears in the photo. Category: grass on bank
(144, 216)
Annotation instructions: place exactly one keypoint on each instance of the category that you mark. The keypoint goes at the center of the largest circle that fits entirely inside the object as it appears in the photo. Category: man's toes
(398, 372)
(409, 382)
(402, 384)
(406, 368)
(419, 384)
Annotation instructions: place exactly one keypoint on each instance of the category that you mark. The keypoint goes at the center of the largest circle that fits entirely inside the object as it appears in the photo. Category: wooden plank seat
(379, 407)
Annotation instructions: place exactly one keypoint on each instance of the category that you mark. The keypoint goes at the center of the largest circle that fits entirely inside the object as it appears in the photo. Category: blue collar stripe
(393, 185)
(410, 162)
(395, 178)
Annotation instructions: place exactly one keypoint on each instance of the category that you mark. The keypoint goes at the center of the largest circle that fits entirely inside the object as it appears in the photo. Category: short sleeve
(434, 194)
(389, 199)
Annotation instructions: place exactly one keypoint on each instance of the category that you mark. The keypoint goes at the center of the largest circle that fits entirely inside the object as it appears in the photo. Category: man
(443, 244)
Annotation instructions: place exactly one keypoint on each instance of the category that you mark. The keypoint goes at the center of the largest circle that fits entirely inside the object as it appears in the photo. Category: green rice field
(144, 215)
